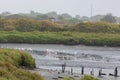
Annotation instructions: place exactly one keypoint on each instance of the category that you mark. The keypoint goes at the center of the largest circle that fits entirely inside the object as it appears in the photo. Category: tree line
(63, 18)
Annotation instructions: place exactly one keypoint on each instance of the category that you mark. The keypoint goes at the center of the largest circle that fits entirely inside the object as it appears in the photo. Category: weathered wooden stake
(62, 68)
(82, 71)
(92, 72)
(116, 72)
(71, 71)
(100, 72)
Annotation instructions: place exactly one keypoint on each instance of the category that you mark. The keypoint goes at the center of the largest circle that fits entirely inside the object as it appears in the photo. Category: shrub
(69, 78)
(86, 77)
(10, 63)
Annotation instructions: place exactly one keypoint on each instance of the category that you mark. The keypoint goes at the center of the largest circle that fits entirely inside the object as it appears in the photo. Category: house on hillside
(52, 19)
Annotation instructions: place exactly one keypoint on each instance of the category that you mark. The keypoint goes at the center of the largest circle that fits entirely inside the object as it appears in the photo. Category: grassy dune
(12, 63)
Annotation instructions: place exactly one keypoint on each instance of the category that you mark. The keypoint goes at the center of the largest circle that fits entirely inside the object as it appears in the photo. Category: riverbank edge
(14, 65)
(65, 38)
(53, 74)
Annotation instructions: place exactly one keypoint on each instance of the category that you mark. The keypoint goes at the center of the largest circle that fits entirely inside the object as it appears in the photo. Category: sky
(73, 7)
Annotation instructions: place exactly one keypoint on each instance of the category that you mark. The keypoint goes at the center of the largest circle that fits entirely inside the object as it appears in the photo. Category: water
(52, 56)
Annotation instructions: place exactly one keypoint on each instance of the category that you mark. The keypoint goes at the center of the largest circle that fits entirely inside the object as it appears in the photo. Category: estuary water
(50, 56)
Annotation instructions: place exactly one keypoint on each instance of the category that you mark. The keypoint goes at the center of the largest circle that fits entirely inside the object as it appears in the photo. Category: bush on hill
(12, 62)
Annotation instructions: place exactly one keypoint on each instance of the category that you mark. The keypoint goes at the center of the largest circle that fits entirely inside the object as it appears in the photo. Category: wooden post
(62, 68)
(71, 71)
(100, 72)
(92, 72)
(82, 70)
(116, 72)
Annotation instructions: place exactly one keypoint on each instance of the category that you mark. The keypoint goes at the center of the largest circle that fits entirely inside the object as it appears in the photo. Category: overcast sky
(73, 7)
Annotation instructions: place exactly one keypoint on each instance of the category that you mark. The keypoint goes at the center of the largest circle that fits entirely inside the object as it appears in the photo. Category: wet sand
(58, 75)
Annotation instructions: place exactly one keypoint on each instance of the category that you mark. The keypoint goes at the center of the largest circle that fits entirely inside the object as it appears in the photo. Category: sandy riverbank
(56, 75)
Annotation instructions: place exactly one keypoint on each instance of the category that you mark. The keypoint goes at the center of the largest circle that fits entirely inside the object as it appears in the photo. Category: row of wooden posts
(92, 71)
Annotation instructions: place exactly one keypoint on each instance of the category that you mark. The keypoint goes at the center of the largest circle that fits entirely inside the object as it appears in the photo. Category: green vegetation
(68, 38)
(12, 63)
(86, 77)
(96, 27)
(109, 18)
(26, 30)
(69, 78)
(29, 25)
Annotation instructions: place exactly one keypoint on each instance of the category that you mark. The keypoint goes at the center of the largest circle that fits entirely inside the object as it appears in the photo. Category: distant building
(52, 19)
